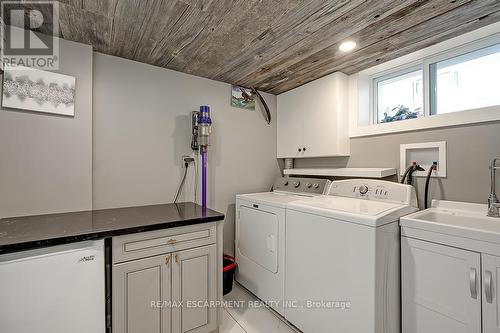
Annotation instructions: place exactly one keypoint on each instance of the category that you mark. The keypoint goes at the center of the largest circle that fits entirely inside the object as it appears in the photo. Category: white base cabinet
(491, 281)
(174, 292)
(139, 288)
(440, 288)
(448, 290)
(194, 286)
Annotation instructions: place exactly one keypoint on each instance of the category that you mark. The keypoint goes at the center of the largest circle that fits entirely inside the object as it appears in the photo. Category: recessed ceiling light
(347, 46)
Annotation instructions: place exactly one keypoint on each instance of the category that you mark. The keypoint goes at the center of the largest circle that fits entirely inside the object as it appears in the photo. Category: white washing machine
(260, 231)
(343, 257)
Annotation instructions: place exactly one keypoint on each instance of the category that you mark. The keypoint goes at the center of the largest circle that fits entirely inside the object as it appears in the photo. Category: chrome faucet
(493, 202)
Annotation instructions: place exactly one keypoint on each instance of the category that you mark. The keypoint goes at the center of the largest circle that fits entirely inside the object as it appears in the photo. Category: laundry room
(250, 166)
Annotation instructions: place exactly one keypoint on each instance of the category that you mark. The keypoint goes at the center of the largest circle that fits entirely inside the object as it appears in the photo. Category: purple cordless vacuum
(204, 129)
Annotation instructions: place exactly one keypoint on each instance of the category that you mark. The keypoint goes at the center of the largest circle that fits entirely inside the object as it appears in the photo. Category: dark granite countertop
(22, 233)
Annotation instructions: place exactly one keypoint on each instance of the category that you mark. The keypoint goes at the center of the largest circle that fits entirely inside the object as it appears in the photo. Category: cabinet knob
(304, 149)
(300, 150)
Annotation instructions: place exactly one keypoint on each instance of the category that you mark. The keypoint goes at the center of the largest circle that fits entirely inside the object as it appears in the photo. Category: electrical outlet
(187, 159)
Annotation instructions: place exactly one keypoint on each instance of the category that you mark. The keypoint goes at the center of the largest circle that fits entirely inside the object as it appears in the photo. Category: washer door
(258, 237)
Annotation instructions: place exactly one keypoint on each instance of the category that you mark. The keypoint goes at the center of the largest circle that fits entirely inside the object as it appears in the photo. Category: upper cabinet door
(290, 126)
(491, 280)
(313, 119)
(325, 123)
(441, 289)
(194, 285)
(136, 284)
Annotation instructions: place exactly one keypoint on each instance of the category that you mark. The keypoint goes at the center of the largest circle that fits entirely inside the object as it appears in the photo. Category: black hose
(409, 173)
(427, 181)
(406, 174)
(181, 185)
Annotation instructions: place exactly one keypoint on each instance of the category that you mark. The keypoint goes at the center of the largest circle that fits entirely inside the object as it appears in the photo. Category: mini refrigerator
(59, 289)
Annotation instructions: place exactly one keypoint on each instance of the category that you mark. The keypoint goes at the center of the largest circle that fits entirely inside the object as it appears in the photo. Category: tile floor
(250, 320)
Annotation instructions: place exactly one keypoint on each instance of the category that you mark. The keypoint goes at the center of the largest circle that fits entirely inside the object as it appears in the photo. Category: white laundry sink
(453, 222)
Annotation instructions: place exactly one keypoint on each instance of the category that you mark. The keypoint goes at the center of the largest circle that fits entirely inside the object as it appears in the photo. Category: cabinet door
(136, 285)
(290, 124)
(194, 285)
(440, 288)
(491, 280)
(325, 128)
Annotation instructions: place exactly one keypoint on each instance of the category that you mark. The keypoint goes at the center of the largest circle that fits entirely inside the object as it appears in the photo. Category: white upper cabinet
(313, 119)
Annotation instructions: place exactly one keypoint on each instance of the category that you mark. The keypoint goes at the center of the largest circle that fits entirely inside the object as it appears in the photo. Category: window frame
(426, 64)
(463, 55)
(375, 80)
(364, 112)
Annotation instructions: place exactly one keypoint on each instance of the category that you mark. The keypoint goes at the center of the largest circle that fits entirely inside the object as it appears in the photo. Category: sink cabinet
(440, 288)
(172, 292)
(448, 289)
(491, 280)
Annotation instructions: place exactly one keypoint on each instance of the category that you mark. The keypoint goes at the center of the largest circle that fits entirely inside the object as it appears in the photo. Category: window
(469, 81)
(456, 81)
(399, 96)
(451, 83)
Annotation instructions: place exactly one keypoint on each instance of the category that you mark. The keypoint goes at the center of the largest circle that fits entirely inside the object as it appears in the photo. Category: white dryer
(343, 257)
(260, 231)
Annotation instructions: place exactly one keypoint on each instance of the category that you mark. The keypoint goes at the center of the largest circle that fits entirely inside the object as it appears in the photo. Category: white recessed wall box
(425, 154)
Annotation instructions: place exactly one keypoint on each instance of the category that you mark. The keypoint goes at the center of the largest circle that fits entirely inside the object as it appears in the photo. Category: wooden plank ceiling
(274, 45)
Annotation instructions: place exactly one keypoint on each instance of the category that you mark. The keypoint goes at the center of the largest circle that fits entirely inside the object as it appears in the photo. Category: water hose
(427, 181)
(406, 174)
(409, 172)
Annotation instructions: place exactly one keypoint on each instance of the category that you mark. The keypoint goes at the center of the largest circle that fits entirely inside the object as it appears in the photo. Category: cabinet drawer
(151, 243)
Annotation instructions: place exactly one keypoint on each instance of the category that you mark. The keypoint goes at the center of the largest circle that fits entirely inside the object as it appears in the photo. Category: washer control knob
(308, 185)
(296, 184)
(315, 185)
(285, 182)
(363, 189)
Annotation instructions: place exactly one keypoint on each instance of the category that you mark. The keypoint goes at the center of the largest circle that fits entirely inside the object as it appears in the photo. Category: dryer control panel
(376, 190)
(301, 185)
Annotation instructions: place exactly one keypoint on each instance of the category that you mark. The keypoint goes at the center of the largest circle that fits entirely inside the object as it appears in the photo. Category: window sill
(460, 118)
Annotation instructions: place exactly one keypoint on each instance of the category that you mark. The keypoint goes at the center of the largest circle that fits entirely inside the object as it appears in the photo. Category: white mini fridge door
(58, 289)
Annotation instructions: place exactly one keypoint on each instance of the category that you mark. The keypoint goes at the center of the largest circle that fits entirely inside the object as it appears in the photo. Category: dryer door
(258, 237)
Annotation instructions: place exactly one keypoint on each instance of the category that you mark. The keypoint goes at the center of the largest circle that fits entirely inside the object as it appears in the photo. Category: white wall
(142, 128)
(46, 160)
